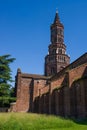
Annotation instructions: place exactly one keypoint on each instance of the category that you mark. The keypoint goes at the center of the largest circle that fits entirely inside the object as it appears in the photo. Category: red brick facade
(64, 93)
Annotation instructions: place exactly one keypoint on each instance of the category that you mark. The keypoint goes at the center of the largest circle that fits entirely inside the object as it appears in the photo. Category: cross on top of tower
(56, 10)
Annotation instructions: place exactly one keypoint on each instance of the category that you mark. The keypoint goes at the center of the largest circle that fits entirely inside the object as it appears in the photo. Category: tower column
(57, 58)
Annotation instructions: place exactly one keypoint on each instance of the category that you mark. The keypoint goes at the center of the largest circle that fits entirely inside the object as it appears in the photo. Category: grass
(26, 121)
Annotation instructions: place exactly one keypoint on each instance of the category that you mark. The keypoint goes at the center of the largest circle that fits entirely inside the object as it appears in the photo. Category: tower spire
(57, 19)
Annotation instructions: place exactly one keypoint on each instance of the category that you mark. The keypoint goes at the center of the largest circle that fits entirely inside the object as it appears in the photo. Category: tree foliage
(5, 74)
(5, 101)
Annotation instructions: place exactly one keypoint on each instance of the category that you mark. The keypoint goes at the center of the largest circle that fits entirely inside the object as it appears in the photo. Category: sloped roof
(34, 76)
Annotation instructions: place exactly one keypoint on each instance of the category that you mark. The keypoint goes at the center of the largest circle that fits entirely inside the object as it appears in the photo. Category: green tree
(5, 74)
(12, 92)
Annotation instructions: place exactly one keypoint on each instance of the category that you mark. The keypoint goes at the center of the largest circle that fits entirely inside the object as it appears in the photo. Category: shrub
(5, 101)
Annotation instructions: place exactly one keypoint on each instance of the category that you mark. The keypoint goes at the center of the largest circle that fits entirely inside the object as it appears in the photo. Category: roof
(81, 60)
(34, 76)
(57, 20)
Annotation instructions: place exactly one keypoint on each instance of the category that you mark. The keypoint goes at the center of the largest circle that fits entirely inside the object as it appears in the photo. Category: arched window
(61, 32)
(54, 51)
(52, 70)
(60, 51)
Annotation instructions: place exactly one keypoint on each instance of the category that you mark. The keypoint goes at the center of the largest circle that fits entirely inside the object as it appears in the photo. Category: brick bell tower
(57, 58)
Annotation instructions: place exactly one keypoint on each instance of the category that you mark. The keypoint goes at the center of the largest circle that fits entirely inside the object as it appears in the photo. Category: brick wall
(64, 94)
(77, 73)
(23, 95)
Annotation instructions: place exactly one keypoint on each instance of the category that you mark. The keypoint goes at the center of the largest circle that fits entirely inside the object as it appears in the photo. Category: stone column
(80, 99)
(56, 101)
(66, 101)
(44, 104)
(50, 93)
(39, 101)
(83, 109)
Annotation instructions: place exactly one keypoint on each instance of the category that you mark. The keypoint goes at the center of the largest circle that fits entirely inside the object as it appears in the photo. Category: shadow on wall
(78, 97)
(31, 89)
(63, 101)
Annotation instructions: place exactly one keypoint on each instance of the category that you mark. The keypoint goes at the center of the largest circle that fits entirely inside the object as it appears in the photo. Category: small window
(54, 51)
(52, 70)
(60, 40)
(61, 32)
(60, 51)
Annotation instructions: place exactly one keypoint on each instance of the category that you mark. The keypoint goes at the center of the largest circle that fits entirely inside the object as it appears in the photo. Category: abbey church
(62, 89)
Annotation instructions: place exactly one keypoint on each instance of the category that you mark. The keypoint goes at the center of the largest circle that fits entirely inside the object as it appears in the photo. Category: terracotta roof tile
(35, 76)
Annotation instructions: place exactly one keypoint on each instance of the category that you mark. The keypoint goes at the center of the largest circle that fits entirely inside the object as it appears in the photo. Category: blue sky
(25, 30)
